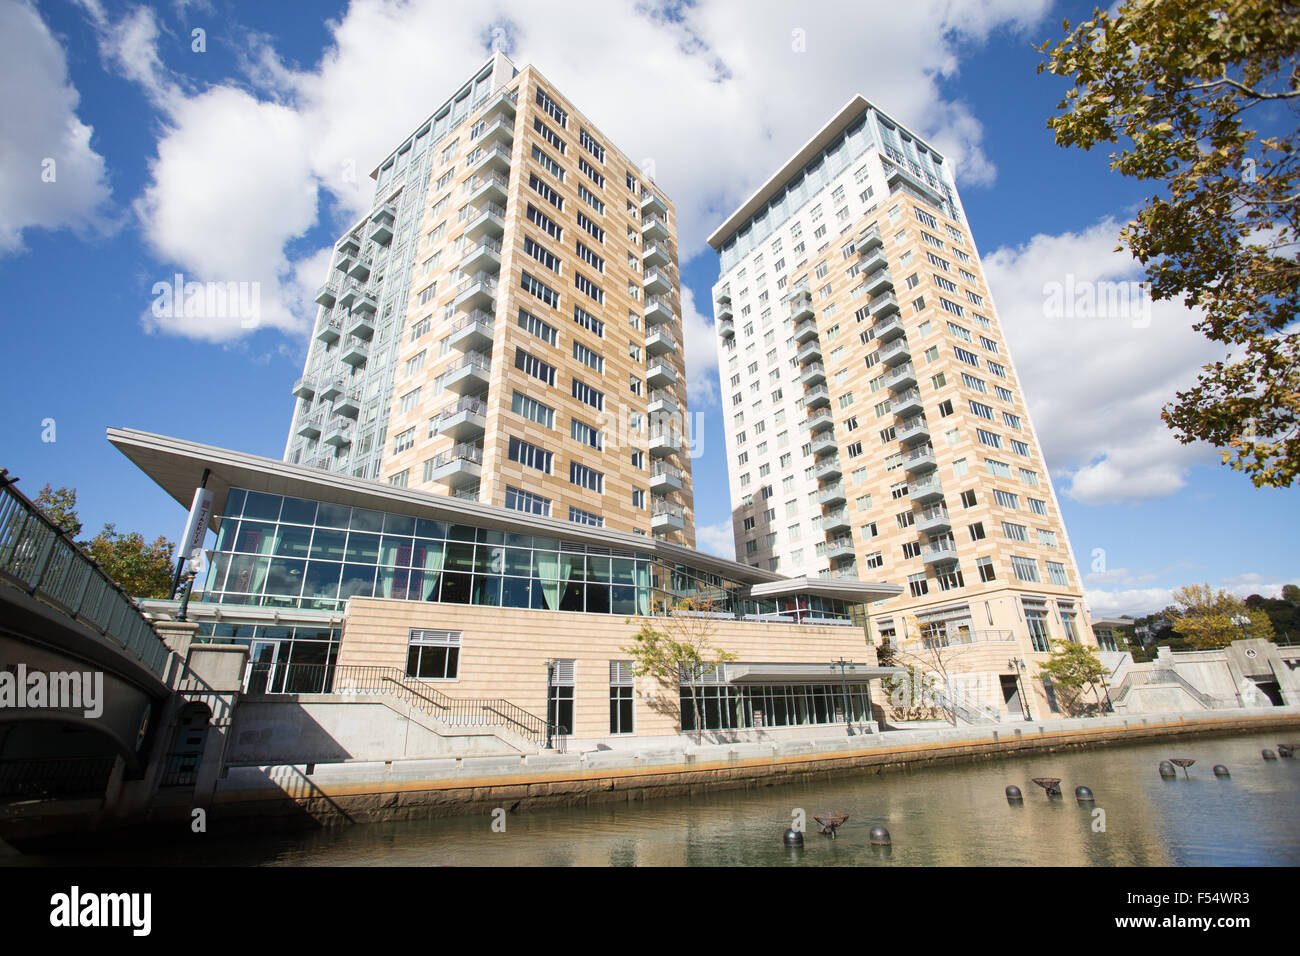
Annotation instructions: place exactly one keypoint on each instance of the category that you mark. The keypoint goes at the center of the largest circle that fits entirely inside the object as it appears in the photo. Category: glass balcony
(889, 327)
(483, 256)
(488, 219)
(816, 396)
(494, 158)
(304, 388)
(479, 292)
(359, 270)
(666, 517)
(837, 519)
(827, 468)
(503, 104)
(901, 378)
(823, 443)
(883, 305)
(665, 477)
(934, 519)
(348, 246)
(805, 331)
(310, 426)
(349, 295)
(660, 340)
(726, 328)
(662, 402)
(355, 352)
(365, 302)
(913, 429)
(906, 404)
(810, 351)
(326, 295)
(820, 420)
(652, 204)
(500, 131)
(468, 376)
(812, 374)
(869, 239)
(361, 324)
(839, 547)
(801, 306)
(664, 441)
(831, 494)
(472, 332)
(925, 489)
(659, 308)
(381, 225)
(937, 552)
(655, 254)
(921, 459)
(491, 187)
(464, 421)
(338, 433)
(895, 352)
(333, 389)
(660, 374)
(657, 282)
(653, 227)
(878, 282)
(872, 260)
(461, 466)
(349, 404)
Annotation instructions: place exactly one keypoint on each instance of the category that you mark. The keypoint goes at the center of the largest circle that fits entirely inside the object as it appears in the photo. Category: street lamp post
(1017, 664)
(550, 724)
(844, 666)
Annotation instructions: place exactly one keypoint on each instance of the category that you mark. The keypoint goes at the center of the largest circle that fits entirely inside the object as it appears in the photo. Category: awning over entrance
(805, 673)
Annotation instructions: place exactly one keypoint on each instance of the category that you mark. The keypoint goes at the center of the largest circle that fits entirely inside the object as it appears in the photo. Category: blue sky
(224, 164)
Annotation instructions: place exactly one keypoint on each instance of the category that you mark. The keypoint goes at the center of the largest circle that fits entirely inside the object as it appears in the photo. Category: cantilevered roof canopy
(805, 673)
(177, 467)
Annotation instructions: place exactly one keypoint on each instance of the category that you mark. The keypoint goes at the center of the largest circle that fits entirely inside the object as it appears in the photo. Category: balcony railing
(663, 468)
(470, 405)
(463, 452)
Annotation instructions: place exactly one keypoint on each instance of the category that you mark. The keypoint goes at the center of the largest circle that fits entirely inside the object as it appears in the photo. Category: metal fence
(39, 558)
(266, 678)
(42, 777)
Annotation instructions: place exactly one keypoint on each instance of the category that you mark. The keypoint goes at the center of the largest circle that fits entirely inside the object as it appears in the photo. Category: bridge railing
(40, 559)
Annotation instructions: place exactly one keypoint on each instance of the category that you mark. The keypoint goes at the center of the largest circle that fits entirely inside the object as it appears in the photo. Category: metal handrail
(38, 557)
(394, 682)
(461, 452)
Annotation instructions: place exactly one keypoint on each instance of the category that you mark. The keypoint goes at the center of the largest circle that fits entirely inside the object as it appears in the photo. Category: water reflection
(938, 817)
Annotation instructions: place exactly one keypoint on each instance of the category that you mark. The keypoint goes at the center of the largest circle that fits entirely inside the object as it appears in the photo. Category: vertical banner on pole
(196, 528)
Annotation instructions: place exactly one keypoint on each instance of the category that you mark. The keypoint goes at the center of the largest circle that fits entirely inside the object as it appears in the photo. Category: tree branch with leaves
(1184, 88)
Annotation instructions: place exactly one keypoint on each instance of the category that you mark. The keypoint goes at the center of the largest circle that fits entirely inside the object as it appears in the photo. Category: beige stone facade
(504, 653)
(531, 194)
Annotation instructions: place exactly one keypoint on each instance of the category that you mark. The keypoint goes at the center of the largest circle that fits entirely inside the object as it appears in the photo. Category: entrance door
(262, 669)
(1011, 694)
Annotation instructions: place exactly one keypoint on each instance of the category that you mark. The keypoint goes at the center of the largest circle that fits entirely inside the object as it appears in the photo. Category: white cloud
(717, 539)
(1141, 601)
(1095, 386)
(41, 125)
(701, 353)
(718, 99)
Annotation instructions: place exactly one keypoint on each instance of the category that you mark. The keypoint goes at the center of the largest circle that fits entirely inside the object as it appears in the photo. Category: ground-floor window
(772, 705)
(559, 699)
(620, 697)
(1038, 634)
(433, 655)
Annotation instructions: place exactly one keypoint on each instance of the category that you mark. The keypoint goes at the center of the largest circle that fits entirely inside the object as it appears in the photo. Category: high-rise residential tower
(876, 425)
(505, 324)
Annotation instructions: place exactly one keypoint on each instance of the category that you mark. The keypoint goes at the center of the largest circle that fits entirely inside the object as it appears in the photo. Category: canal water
(949, 816)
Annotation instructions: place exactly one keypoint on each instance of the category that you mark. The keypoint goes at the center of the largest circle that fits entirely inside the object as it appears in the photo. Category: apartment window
(1039, 636)
(1056, 574)
(540, 289)
(591, 199)
(403, 440)
(561, 117)
(543, 221)
(549, 135)
(526, 501)
(968, 499)
(587, 357)
(917, 584)
(589, 257)
(621, 698)
(415, 363)
(1015, 532)
(977, 531)
(545, 191)
(592, 229)
(532, 409)
(578, 516)
(534, 367)
(590, 170)
(581, 431)
(985, 566)
(911, 549)
(547, 163)
(542, 254)
(588, 321)
(526, 454)
(559, 698)
(400, 479)
(1026, 569)
(433, 655)
(410, 400)
(535, 326)
(1006, 500)
(588, 288)
(585, 393)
